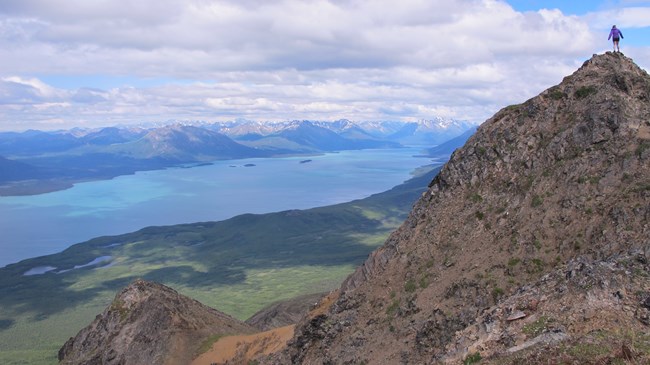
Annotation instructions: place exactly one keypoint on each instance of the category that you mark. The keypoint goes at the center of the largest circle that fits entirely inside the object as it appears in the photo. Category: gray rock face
(148, 323)
(564, 176)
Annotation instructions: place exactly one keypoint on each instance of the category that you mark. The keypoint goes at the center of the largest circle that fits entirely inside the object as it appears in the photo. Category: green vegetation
(238, 266)
(585, 91)
(589, 179)
(531, 266)
(410, 286)
(118, 305)
(577, 245)
(476, 198)
(642, 147)
(587, 350)
(472, 358)
(537, 201)
(513, 262)
(392, 308)
(424, 282)
(539, 265)
(641, 188)
(600, 345)
(556, 94)
(497, 293)
(207, 344)
(527, 183)
(536, 328)
(511, 108)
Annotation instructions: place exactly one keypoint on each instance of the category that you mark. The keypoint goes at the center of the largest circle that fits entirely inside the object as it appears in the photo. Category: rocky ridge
(534, 235)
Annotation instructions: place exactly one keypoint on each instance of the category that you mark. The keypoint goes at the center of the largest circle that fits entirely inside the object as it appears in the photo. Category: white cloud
(631, 17)
(35, 87)
(282, 59)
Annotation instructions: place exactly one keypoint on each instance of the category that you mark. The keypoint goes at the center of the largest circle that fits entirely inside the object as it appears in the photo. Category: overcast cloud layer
(102, 62)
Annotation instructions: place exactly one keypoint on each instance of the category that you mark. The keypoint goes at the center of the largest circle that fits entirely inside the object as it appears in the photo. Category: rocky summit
(530, 246)
(148, 323)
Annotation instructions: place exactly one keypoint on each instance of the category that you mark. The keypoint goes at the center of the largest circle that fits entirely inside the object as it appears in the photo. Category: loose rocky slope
(532, 244)
(148, 323)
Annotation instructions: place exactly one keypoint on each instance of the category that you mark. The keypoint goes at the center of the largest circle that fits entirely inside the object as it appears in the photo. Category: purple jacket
(616, 33)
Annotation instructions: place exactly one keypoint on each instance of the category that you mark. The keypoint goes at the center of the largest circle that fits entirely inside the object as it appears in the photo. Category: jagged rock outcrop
(148, 323)
(536, 233)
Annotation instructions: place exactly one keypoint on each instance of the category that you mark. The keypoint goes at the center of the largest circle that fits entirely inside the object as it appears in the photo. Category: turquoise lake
(48, 223)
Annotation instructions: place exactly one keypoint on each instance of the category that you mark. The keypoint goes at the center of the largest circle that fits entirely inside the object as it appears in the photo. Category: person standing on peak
(617, 35)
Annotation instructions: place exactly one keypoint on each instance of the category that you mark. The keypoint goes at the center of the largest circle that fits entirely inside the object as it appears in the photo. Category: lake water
(48, 223)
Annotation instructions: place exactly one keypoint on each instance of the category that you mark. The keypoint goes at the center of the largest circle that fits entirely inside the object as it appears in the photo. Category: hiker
(617, 35)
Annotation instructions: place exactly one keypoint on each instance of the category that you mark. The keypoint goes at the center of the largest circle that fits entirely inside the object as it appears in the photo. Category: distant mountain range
(34, 162)
(424, 133)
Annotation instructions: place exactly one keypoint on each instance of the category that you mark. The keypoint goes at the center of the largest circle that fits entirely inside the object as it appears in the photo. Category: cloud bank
(278, 60)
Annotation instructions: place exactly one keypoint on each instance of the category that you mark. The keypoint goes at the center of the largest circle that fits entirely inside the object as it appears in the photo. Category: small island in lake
(249, 165)
(305, 161)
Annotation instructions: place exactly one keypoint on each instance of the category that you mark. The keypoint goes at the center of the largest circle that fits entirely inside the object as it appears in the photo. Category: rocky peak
(562, 178)
(148, 323)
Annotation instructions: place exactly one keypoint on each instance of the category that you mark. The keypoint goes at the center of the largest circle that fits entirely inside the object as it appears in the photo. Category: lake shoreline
(200, 193)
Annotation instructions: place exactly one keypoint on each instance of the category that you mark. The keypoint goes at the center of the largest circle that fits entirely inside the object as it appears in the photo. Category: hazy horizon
(199, 123)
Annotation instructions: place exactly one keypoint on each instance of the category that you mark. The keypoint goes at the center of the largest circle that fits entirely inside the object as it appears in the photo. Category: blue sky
(94, 63)
(569, 7)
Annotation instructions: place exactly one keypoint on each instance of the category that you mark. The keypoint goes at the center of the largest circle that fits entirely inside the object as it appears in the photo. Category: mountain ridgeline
(531, 245)
(34, 162)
